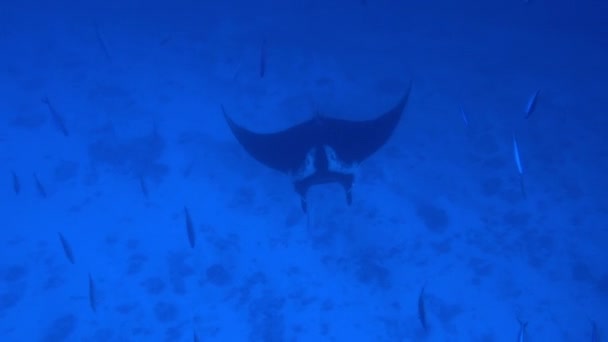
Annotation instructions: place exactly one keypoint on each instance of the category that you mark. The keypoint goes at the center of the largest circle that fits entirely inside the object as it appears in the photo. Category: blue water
(134, 134)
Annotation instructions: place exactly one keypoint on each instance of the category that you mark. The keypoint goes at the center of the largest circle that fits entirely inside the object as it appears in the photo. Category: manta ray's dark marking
(320, 150)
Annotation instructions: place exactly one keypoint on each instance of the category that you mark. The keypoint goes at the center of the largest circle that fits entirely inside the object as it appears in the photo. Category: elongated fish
(102, 43)
(422, 309)
(16, 184)
(143, 187)
(520, 168)
(190, 228)
(92, 294)
(521, 336)
(464, 116)
(595, 334)
(40, 187)
(58, 119)
(531, 105)
(263, 59)
(67, 249)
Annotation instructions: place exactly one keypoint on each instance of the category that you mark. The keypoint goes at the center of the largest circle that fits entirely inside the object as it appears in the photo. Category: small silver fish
(531, 105)
(464, 116)
(143, 187)
(422, 309)
(595, 335)
(16, 184)
(521, 336)
(67, 249)
(92, 294)
(102, 43)
(40, 187)
(520, 168)
(263, 59)
(58, 120)
(190, 228)
(516, 156)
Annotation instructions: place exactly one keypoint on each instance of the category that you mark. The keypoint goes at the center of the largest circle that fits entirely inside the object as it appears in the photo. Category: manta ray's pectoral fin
(355, 141)
(284, 151)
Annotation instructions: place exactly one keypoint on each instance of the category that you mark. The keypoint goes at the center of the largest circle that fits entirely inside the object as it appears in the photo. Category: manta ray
(320, 150)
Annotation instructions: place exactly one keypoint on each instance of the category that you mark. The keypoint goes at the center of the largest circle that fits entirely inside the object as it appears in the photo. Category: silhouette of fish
(92, 294)
(67, 249)
(41, 189)
(320, 150)
(190, 228)
(422, 310)
(16, 183)
(58, 119)
(263, 59)
(143, 187)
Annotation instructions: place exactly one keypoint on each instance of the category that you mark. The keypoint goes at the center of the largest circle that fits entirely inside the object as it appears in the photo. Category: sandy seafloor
(439, 205)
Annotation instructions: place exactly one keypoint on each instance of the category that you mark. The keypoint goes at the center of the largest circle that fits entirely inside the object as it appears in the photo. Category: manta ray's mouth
(332, 162)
